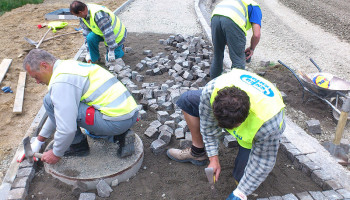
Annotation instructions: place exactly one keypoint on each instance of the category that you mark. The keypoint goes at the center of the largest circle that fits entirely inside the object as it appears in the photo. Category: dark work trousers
(225, 32)
(240, 163)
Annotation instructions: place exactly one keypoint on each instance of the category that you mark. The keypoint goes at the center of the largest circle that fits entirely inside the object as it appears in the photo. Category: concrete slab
(101, 163)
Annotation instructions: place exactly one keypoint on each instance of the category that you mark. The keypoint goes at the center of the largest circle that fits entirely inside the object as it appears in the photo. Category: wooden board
(4, 66)
(18, 105)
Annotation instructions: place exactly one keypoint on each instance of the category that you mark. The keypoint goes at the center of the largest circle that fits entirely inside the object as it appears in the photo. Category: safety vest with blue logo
(265, 102)
(117, 26)
(105, 93)
(237, 11)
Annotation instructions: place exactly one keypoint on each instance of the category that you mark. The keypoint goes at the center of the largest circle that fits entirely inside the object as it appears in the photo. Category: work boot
(80, 149)
(185, 155)
(126, 143)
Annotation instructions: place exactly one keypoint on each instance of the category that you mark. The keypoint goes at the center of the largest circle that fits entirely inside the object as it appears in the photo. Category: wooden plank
(18, 105)
(4, 66)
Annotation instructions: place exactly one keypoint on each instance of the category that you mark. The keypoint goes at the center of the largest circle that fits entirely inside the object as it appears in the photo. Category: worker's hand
(237, 195)
(50, 158)
(249, 53)
(111, 56)
(215, 164)
(88, 58)
(36, 146)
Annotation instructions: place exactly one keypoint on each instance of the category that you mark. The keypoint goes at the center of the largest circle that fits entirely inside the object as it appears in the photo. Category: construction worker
(81, 95)
(231, 19)
(100, 24)
(248, 107)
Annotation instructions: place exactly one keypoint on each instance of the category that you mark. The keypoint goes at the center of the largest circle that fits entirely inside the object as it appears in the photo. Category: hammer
(28, 150)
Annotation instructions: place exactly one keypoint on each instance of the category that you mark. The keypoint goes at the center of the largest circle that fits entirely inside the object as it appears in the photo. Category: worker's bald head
(37, 56)
(76, 7)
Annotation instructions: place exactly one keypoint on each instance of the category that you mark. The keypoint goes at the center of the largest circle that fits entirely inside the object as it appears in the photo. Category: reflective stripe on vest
(237, 11)
(265, 102)
(105, 93)
(117, 26)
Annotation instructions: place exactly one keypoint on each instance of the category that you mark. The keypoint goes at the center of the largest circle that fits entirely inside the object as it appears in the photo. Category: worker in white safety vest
(81, 95)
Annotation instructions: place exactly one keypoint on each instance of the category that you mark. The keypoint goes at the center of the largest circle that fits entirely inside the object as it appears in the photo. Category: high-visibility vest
(117, 26)
(237, 11)
(105, 93)
(265, 102)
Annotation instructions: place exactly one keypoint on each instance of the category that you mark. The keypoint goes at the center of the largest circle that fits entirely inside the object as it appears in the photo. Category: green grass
(7, 5)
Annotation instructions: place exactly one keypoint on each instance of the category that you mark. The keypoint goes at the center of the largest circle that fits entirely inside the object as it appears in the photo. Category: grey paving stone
(87, 196)
(151, 131)
(304, 196)
(179, 133)
(320, 176)
(17, 194)
(344, 192)
(309, 167)
(332, 195)
(103, 189)
(155, 123)
(230, 141)
(331, 185)
(142, 115)
(300, 160)
(28, 171)
(291, 153)
(158, 146)
(162, 116)
(166, 128)
(21, 182)
(25, 163)
(289, 197)
(317, 195)
(275, 198)
(171, 124)
(165, 136)
(4, 190)
(314, 126)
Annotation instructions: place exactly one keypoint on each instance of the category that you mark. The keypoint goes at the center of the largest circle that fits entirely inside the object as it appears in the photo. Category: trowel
(211, 178)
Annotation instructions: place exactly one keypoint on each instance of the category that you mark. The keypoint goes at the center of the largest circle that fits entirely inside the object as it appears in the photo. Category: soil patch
(160, 177)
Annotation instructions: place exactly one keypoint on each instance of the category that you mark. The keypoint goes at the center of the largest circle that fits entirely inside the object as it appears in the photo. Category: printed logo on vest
(237, 136)
(85, 64)
(257, 84)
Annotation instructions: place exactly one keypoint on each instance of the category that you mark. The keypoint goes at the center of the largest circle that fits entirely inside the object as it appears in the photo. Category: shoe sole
(195, 162)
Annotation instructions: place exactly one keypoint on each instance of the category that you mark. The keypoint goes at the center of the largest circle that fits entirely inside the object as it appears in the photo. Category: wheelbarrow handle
(291, 70)
(313, 62)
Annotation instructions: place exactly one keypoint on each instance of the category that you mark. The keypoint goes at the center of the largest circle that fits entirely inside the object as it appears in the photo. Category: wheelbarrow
(334, 95)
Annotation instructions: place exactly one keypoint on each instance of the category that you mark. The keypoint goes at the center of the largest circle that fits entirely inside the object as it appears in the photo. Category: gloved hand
(237, 195)
(88, 58)
(36, 145)
(111, 56)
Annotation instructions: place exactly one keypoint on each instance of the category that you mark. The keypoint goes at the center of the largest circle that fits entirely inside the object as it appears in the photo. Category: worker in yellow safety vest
(81, 95)
(100, 24)
(248, 107)
(231, 19)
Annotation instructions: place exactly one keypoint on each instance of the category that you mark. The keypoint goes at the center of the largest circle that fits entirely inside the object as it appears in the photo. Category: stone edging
(16, 181)
(303, 150)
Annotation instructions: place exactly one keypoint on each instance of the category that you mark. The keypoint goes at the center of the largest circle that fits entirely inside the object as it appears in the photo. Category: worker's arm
(255, 17)
(104, 22)
(209, 128)
(65, 95)
(263, 155)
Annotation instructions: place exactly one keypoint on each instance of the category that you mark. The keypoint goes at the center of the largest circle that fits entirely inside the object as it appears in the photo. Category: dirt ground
(159, 177)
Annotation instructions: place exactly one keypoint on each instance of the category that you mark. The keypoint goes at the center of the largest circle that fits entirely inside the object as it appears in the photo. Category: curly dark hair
(77, 6)
(231, 107)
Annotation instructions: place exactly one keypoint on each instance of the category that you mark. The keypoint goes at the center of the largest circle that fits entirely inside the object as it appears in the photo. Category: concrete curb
(302, 149)
(19, 175)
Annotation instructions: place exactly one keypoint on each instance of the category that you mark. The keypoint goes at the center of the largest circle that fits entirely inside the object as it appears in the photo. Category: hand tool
(211, 178)
(28, 150)
(42, 39)
(32, 42)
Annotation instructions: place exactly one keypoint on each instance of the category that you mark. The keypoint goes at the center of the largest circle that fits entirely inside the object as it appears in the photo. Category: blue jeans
(93, 42)
(101, 127)
(225, 32)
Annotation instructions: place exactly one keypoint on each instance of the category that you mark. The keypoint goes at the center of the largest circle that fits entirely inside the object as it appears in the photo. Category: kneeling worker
(100, 24)
(81, 95)
(248, 107)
